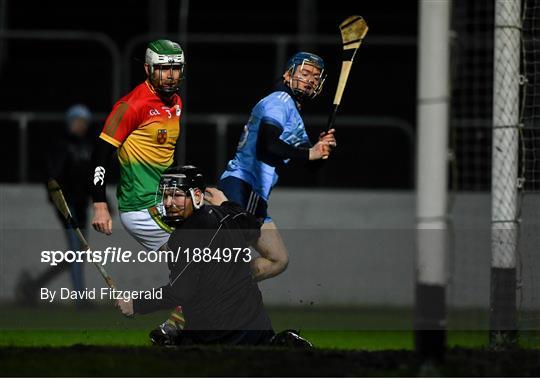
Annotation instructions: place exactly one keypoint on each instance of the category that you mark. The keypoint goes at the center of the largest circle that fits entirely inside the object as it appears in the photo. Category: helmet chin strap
(195, 205)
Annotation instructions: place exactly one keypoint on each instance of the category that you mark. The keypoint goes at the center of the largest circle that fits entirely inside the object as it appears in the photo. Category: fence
(221, 122)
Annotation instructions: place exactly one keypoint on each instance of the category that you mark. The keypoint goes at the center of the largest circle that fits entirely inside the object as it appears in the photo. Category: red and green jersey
(145, 131)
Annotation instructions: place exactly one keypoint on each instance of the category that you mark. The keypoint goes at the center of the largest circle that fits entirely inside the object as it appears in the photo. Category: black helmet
(186, 178)
(183, 177)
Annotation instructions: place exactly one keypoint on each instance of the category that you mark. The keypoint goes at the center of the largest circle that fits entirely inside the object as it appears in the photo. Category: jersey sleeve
(275, 113)
(272, 150)
(122, 120)
(245, 222)
(305, 142)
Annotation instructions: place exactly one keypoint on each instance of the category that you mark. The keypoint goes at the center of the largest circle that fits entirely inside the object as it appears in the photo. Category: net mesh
(530, 172)
(504, 93)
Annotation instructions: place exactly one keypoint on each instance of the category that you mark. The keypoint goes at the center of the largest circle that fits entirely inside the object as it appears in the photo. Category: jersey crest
(161, 136)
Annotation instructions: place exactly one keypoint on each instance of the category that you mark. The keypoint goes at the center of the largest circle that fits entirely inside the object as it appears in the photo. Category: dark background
(222, 77)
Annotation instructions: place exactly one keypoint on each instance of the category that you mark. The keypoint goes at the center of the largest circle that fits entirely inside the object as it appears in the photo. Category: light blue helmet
(299, 59)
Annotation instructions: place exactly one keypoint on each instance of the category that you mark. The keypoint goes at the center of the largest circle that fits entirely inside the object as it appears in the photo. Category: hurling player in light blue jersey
(273, 135)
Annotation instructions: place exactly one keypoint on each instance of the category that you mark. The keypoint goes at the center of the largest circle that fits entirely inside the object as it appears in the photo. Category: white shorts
(149, 231)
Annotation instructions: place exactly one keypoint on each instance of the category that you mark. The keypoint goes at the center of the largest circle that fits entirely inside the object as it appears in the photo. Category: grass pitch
(326, 328)
(61, 341)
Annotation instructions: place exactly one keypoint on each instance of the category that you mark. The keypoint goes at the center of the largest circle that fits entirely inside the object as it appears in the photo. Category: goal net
(529, 299)
(495, 167)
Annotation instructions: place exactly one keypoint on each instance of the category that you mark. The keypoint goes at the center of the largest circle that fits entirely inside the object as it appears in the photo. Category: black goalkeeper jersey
(218, 295)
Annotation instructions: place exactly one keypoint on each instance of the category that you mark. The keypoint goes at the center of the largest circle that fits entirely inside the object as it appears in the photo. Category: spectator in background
(68, 161)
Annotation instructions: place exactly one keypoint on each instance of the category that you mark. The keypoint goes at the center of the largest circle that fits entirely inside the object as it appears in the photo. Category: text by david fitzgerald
(100, 294)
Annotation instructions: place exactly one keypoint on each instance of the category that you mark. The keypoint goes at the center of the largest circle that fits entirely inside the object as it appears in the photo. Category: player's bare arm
(274, 257)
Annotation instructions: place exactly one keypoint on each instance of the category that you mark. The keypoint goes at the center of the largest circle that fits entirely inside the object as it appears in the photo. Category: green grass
(61, 341)
(347, 340)
(370, 329)
(55, 338)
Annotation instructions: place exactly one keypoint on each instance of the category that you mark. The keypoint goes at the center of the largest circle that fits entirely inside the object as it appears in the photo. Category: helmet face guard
(178, 181)
(297, 63)
(164, 57)
(165, 73)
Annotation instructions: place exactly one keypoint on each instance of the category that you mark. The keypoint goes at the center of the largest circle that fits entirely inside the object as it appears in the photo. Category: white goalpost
(504, 186)
(432, 173)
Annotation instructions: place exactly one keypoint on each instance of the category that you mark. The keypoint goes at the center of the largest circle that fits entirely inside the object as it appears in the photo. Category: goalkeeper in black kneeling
(209, 276)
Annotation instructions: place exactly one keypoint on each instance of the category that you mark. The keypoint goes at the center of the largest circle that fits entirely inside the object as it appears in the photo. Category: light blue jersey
(278, 109)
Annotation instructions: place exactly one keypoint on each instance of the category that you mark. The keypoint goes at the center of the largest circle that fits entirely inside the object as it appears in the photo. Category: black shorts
(241, 193)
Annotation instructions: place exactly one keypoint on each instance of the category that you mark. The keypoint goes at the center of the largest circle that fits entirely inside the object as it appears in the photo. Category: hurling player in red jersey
(142, 128)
